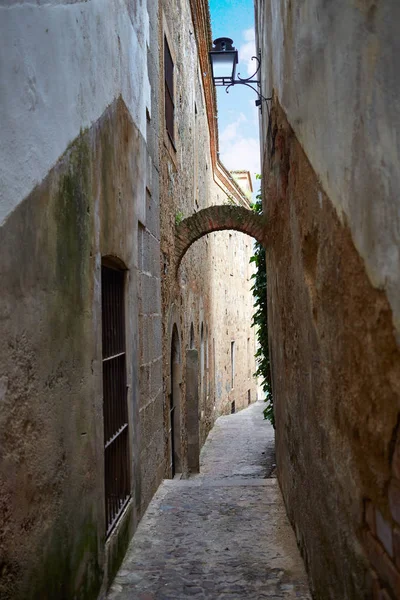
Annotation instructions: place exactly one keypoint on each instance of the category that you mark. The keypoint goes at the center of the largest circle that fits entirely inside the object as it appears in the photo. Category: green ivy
(179, 217)
(260, 319)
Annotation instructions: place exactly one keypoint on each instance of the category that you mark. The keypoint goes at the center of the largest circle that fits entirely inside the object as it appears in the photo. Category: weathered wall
(333, 68)
(233, 309)
(64, 62)
(51, 425)
(81, 154)
(331, 182)
(79, 180)
(336, 382)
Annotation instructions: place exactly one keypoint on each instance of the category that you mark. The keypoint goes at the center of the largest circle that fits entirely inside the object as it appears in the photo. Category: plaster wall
(52, 540)
(62, 63)
(335, 380)
(333, 68)
(80, 127)
(233, 310)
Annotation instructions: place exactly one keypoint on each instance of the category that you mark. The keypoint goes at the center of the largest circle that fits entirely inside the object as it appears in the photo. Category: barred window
(115, 408)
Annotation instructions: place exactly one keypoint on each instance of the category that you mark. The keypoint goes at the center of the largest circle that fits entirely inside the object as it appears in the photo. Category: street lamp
(224, 58)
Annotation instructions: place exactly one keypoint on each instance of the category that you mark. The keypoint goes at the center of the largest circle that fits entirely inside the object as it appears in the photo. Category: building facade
(109, 137)
(208, 344)
(331, 185)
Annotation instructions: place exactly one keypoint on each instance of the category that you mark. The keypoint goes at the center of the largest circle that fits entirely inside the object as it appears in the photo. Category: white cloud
(244, 153)
(249, 34)
(248, 49)
(239, 150)
(239, 143)
(231, 131)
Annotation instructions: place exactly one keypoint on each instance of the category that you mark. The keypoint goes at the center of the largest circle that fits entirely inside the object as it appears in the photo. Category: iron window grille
(115, 408)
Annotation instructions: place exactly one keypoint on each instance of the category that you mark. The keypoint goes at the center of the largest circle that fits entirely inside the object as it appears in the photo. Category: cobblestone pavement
(222, 534)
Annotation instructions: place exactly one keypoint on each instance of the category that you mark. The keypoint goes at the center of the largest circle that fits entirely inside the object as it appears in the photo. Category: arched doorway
(202, 365)
(191, 341)
(174, 413)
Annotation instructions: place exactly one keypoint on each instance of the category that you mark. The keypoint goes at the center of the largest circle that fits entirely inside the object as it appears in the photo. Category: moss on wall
(118, 544)
(70, 565)
(336, 369)
(52, 543)
(72, 207)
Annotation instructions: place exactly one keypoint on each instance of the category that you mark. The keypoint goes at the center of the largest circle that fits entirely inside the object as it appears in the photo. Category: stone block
(382, 563)
(141, 242)
(396, 546)
(144, 385)
(152, 207)
(151, 421)
(369, 515)
(374, 584)
(155, 344)
(150, 295)
(384, 532)
(150, 331)
(156, 379)
(396, 460)
(150, 254)
(394, 499)
(143, 339)
(151, 458)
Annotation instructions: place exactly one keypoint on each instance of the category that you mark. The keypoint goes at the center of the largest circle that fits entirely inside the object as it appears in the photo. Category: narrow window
(115, 409)
(169, 91)
(207, 384)
(232, 365)
(196, 157)
(249, 357)
(191, 342)
(231, 256)
(201, 362)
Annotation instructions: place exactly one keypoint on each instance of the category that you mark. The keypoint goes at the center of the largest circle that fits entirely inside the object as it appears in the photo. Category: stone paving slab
(220, 535)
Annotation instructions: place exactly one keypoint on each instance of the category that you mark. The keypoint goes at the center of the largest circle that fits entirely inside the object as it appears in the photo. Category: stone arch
(217, 218)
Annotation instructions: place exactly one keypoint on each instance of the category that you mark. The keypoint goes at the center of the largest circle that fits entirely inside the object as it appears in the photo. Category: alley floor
(222, 534)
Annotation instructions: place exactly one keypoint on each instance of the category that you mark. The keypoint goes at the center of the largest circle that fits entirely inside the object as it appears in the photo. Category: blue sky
(237, 114)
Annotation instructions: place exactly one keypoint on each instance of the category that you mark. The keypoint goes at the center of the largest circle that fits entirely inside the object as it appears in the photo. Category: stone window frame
(168, 142)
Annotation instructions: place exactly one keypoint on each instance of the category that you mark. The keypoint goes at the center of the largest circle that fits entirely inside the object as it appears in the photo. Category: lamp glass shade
(224, 58)
(223, 64)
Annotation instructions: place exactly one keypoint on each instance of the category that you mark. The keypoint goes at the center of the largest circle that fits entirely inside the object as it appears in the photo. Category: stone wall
(333, 68)
(200, 300)
(79, 170)
(331, 268)
(335, 366)
(84, 164)
(52, 446)
(233, 343)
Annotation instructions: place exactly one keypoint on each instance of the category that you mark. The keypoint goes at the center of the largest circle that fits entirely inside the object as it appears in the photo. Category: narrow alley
(221, 534)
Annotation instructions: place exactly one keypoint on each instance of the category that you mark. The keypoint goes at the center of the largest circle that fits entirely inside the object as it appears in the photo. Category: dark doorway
(191, 342)
(192, 410)
(174, 405)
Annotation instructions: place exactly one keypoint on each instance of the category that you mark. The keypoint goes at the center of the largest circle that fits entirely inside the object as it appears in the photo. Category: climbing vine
(260, 319)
